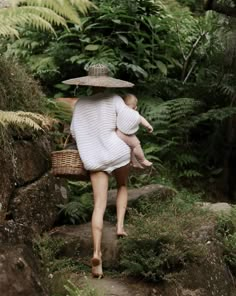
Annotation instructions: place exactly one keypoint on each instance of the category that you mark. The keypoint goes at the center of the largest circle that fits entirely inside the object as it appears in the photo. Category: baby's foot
(146, 163)
(136, 165)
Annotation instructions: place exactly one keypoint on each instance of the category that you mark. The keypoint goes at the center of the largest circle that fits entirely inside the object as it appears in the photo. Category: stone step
(78, 242)
(160, 191)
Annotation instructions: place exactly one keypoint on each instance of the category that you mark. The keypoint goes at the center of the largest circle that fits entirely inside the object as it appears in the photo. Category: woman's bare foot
(120, 232)
(97, 267)
(123, 234)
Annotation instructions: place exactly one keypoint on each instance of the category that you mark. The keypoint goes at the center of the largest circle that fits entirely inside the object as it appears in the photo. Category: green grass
(85, 290)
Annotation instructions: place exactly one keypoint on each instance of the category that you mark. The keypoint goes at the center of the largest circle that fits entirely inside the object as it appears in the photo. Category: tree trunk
(221, 8)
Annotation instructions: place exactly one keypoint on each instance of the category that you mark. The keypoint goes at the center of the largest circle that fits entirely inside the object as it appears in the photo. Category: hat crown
(98, 70)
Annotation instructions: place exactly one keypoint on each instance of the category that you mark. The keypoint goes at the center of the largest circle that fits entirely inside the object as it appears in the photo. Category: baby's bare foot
(146, 163)
(137, 165)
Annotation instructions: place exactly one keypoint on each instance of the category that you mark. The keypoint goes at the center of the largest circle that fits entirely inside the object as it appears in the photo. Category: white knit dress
(94, 124)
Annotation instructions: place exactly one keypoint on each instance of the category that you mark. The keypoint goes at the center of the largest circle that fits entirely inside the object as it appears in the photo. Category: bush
(18, 90)
(226, 234)
(162, 238)
(49, 250)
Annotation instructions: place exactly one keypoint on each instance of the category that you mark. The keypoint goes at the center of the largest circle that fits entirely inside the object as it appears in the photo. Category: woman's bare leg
(121, 176)
(99, 182)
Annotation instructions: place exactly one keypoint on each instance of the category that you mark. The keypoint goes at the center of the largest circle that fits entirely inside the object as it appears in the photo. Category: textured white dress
(94, 124)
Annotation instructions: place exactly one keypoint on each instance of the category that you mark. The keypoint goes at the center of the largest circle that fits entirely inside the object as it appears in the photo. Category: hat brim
(99, 81)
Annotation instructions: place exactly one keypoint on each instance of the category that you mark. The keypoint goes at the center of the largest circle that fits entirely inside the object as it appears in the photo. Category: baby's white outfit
(94, 123)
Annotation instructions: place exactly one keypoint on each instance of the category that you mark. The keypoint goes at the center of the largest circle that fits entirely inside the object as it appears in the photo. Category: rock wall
(29, 195)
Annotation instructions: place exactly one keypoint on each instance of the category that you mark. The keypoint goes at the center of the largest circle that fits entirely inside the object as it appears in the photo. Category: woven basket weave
(68, 164)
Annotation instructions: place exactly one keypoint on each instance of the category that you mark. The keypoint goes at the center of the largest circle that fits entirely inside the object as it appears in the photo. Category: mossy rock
(18, 89)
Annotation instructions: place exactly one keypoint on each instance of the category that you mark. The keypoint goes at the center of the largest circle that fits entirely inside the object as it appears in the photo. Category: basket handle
(66, 141)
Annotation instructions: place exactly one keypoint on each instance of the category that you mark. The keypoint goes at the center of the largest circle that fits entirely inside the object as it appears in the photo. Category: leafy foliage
(39, 14)
(173, 121)
(80, 206)
(125, 35)
(183, 61)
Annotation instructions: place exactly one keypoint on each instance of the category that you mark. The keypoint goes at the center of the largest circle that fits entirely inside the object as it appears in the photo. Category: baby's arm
(146, 124)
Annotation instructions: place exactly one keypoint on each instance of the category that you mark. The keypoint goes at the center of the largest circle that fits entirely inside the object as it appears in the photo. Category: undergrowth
(163, 236)
(58, 268)
(226, 234)
(50, 250)
(80, 205)
(87, 290)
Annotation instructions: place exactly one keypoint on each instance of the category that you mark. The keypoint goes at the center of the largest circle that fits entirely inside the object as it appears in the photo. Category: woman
(94, 123)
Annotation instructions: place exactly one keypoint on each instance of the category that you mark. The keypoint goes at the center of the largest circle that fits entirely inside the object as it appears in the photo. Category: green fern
(79, 209)
(173, 120)
(174, 116)
(216, 114)
(40, 14)
(186, 159)
(23, 120)
(190, 174)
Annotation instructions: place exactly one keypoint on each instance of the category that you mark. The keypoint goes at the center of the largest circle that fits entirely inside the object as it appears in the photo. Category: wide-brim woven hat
(98, 75)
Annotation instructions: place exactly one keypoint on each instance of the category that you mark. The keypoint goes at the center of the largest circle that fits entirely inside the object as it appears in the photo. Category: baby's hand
(149, 129)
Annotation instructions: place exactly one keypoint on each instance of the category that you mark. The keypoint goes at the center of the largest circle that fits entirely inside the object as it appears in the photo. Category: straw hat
(98, 75)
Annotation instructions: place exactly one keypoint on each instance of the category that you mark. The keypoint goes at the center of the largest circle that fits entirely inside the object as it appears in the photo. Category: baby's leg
(131, 140)
(136, 152)
(139, 155)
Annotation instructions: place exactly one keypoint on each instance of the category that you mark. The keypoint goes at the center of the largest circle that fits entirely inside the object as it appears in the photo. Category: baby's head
(131, 101)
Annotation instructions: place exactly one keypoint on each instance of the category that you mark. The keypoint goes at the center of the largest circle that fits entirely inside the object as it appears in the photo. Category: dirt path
(110, 286)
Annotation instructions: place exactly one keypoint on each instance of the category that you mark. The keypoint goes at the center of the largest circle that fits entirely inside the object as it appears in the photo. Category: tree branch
(189, 56)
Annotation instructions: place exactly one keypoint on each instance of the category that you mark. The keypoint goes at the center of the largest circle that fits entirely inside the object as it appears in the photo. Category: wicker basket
(67, 164)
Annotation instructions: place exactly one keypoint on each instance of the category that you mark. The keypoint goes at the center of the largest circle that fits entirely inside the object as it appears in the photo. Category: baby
(137, 156)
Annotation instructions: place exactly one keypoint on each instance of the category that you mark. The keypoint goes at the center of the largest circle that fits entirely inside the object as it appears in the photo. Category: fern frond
(190, 174)
(184, 159)
(40, 14)
(216, 114)
(227, 90)
(173, 113)
(66, 8)
(60, 110)
(43, 64)
(22, 119)
(7, 29)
